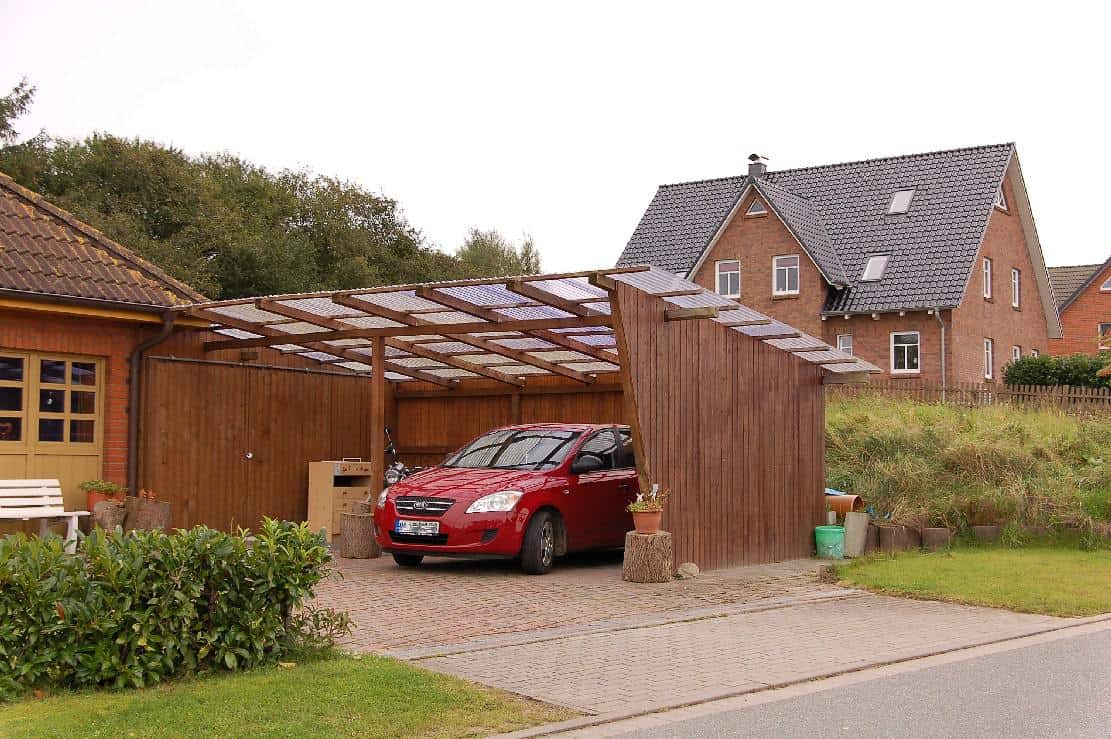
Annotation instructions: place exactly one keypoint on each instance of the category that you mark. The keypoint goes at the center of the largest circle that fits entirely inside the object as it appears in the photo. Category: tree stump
(357, 540)
(146, 515)
(648, 557)
(108, 514)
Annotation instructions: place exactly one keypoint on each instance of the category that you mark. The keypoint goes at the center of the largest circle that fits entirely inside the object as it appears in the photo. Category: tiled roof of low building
(1067, 281)
(46, 251)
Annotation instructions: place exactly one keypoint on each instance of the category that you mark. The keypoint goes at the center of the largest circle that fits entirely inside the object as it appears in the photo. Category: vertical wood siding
(734, 428)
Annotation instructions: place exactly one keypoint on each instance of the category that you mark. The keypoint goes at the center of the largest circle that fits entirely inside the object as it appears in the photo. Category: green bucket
(830, 541)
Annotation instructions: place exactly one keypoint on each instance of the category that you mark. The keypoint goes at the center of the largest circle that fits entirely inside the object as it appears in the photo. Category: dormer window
(873, 270)
(756, 209)
(900, 202)
(1001, 199)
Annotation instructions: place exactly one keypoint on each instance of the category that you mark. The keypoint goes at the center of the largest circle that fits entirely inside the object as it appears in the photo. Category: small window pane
(1106, 287)
(52, 401)
(82, 402)
(83, 373)
(874, 269)
(11, 399)
(11, 368)
(845, 343)
(52, 372)
(11, 429)
(900, 202)
(51, 429)
(756, 209)
(81, 431)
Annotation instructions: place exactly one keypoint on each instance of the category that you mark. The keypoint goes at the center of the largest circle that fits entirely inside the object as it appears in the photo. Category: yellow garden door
(51, 419)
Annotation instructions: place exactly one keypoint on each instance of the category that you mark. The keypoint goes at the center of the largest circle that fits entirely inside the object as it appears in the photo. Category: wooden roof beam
(687, 314)
(419, 351)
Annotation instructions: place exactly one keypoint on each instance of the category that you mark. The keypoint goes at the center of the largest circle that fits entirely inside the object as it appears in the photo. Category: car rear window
(517, 449)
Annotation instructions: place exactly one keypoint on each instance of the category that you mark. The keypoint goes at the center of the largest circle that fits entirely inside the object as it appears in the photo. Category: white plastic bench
(42, 499)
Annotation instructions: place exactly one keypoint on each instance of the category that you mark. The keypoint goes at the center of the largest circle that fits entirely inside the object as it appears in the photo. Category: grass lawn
(1051, 580)
(338, 696)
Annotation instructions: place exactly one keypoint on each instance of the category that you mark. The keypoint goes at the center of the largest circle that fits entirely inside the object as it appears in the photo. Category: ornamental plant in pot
(98, 490)
(647, 509)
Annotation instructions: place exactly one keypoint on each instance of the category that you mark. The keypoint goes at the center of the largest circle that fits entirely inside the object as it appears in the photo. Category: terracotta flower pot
(93, 497)
(647, 522)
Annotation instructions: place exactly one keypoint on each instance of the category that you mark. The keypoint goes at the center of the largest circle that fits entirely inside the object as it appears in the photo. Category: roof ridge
(702, 182)
(895, 157)
(1091, 279)
(101, 239)
(1093, 265)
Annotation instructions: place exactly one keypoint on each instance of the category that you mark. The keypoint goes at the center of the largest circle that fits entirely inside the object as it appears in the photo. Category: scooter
(396, 470)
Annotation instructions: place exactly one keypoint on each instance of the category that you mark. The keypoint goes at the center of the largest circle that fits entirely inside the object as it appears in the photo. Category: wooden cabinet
(333, 488)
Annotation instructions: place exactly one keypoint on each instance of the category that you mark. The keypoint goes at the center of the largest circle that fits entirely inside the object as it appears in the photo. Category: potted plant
(647, 509)
(98, 490)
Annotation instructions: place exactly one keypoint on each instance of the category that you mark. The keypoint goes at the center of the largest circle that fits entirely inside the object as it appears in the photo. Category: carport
(726, 404)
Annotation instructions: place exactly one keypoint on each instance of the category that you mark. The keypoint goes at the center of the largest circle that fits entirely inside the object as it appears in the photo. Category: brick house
(927, 265)
(1083, 295)
(74, 307)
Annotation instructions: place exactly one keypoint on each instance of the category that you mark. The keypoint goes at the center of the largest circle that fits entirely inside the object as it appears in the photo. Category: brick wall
(1082, 318)
(872, 341)
(754, 241)
(978, 317)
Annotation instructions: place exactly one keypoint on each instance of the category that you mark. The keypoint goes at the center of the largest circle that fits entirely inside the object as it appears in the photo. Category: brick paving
(426, 609)
(674, 664)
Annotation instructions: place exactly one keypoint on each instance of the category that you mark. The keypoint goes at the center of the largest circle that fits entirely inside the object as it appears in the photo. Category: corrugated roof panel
(247, 312)
(533, 313)
(319, 306)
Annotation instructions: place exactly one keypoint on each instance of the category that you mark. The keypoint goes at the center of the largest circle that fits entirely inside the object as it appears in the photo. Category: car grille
(414, 505)
(418, 538)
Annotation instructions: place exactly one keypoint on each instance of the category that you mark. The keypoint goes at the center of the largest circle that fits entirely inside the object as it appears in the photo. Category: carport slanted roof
(498, 328)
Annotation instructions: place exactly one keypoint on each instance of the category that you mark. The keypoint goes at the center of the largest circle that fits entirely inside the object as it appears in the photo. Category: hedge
(132, 609)
(1077, 370)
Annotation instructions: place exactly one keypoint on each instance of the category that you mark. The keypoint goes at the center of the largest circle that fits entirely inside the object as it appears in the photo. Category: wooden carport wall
(760, 504)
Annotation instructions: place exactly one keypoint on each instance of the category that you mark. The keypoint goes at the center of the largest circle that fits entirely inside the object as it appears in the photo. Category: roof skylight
(874, 270)
(900, 202)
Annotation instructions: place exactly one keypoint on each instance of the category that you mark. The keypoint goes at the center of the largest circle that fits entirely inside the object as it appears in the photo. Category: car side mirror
(586, 463)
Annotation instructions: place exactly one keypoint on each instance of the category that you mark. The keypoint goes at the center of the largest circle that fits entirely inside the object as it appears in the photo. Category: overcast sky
(561, 120)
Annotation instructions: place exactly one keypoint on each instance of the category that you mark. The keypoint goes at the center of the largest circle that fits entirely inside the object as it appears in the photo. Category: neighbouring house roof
(46, 251)
(1069, 282)
(838, 213)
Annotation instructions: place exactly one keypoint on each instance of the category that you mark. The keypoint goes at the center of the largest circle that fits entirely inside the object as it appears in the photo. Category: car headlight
(382, 498)
(503, 501)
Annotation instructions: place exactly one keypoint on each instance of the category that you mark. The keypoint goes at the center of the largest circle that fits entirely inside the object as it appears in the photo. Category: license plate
(420, 528)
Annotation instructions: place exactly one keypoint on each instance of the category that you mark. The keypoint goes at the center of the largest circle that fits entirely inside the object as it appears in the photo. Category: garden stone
(687, 571)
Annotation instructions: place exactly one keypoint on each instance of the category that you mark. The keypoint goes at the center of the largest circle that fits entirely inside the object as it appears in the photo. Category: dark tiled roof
(45, 250)
(932, 247)
(805, 222)
(1067, 281)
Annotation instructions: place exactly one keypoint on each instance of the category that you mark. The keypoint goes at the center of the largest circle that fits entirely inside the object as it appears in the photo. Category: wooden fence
(1066, 398)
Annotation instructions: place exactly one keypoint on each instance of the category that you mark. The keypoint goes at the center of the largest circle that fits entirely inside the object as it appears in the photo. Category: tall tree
(489, 254)
(13, 106)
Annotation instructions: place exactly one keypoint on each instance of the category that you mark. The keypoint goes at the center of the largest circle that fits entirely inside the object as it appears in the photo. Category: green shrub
(130, 610)
(1078, 370)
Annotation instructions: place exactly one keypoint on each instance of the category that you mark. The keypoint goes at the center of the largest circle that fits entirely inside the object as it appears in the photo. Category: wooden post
(648, 557)
(378, 414)
(628, 391)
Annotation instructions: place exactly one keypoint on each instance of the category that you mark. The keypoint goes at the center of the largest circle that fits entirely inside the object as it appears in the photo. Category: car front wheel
(538, 551)
(407, 560)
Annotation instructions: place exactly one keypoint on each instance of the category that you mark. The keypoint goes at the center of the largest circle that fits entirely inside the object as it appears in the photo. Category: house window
(1001, 199)
(756, 209)
(1035, 353)
(1016, 353)
(900, 202)
(987, 278)
(875, 267)
(1104, 337)
(1016, 288)
(904, 352)
(989, 359)
(1106, 287)
(47, 400)
(845, 343)
(728, 278)
(785, 275)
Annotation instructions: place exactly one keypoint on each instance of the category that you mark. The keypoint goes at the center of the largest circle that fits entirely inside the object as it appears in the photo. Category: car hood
(466, 484)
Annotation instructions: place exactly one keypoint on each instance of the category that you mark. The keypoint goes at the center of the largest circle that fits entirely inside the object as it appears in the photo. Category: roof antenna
(757, 165)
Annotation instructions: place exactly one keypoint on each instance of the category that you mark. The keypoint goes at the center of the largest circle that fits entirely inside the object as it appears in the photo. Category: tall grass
(943, 465)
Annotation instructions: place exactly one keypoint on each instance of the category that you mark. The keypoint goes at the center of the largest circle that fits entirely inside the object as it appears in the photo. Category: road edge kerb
(521, 638)
(600, 719)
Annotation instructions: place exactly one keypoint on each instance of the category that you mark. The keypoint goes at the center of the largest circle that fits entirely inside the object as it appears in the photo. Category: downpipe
(940, 322)
(134, 397)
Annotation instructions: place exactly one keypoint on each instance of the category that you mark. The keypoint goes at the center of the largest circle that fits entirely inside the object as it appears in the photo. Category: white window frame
(903, 208)
(797, 267)
(989, 359)
(842, 341)
(756, 203)
(718, 273)
(1001, 199)
(1035, 353)
(1016, 353)
(1106, 286)
(987, 278)
(918, 336)
(1100, 346)
(1016, 288)
(882, 260)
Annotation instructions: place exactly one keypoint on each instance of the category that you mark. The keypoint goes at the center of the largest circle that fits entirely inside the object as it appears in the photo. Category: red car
(533, 492)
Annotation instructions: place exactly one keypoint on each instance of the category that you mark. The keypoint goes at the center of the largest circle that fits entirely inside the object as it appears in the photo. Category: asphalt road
(1056, 689)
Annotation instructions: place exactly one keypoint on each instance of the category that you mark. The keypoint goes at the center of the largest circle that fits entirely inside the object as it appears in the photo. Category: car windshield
(516, 449)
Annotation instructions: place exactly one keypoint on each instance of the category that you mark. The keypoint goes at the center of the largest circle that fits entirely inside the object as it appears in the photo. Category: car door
(590, 494)
(625, 479)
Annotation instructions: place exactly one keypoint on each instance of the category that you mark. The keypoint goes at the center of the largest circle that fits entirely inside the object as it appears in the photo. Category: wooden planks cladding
(734, 428)
(201, 419)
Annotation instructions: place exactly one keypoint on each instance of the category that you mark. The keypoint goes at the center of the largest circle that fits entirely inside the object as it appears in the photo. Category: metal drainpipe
(937, 316)
(134, 402)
